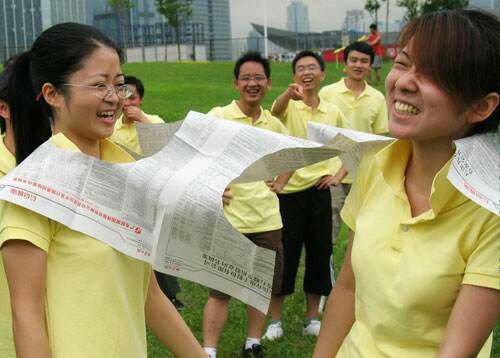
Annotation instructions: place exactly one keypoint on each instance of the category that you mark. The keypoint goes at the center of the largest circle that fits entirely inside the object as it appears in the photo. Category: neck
(251, 110)
(8, 139)
(355, 85)
(426, 161)
(311, 98)
(87, 146)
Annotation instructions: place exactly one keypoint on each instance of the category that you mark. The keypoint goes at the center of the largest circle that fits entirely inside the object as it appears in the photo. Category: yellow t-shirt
(126, 134)
(409, 270)
(94, 295)
(295, 118)
(366, 112)
(7, 349)
(254, 208)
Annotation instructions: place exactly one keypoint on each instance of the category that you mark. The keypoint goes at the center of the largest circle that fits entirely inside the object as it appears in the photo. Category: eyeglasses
(248, 78)
(301, 69)
(103, 90)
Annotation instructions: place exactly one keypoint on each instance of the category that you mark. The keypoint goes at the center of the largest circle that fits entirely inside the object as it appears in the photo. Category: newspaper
(153, 137)
(475, 170)
(351, 143)
(166, 209)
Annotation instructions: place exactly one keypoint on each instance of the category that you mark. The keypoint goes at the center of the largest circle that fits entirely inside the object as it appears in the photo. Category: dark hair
(458, 50)
(57, 53)
(252, 56)
(308, 53)
(362, 47)
(374, 27)
(131, 80)
(4, 82)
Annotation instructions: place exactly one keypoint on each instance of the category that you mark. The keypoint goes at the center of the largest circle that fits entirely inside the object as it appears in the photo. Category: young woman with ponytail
(71, 295)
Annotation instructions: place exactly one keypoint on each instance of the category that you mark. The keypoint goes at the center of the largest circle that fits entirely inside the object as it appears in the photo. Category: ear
(235, 84)
(269, 83)
(483, 108)
(323, 75)
(53, 97)
(4, 110)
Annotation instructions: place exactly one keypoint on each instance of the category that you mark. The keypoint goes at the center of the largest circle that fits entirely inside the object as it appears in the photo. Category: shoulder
(220, 111)
(274, 123)
(153, 118)
(375, 93)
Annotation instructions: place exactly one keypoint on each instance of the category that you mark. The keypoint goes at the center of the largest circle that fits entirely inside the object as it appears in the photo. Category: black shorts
(307, 221)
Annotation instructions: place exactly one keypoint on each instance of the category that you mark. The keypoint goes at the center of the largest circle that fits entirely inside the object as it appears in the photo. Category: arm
(294, 91)
(135, 114)
(339, 314)
(279, 183)
(472, 320)
(326, 181)
(168, 325)
(26, 267)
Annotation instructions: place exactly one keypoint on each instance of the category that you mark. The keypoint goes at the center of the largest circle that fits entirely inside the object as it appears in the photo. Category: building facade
(297, 17)
(21, 21)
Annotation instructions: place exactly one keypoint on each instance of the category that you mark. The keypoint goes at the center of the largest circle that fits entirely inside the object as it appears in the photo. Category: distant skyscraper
(355, 20)
(21, 21)
(297, 17)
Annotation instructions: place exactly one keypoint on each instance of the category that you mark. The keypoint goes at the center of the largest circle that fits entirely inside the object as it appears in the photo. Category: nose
(406, 82)
(112, 96)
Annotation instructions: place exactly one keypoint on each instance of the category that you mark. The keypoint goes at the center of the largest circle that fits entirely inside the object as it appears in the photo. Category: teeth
(106, 114)
(406, 108)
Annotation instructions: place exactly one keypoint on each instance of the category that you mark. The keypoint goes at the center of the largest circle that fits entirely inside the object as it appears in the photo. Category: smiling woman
(71, 295)
(420, 277)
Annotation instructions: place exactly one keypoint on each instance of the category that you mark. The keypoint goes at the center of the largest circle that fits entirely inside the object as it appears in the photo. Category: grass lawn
(171, 91)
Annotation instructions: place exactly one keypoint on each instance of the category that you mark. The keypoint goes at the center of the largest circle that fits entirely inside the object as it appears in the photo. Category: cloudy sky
(323, 14)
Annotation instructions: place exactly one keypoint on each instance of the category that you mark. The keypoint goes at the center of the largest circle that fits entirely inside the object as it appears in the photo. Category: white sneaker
(312, 329)
(273, 331)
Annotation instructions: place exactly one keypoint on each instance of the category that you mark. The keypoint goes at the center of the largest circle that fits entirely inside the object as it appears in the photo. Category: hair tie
(38, 96)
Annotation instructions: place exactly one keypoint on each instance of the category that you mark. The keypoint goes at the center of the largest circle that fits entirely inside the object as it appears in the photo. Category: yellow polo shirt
(366, 112)
(409, 270)
(295, 118)
(126, 134)
(7, 349)
(254, 207)
(94, 295)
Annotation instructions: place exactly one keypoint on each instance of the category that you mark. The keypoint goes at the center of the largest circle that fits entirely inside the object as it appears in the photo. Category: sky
(323, 14)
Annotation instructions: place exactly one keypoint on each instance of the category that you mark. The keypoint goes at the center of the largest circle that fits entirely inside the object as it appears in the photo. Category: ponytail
(29, 117)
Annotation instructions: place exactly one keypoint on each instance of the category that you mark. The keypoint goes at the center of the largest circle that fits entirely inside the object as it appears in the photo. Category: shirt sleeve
(356, 195)
(380, 125)
(283, 116)
(483, 266)
(18, 223)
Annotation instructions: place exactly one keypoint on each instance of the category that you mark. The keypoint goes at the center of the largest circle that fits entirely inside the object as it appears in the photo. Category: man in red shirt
(375, 41)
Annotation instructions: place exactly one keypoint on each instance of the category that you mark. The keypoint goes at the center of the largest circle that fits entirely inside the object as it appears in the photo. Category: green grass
(171, 91)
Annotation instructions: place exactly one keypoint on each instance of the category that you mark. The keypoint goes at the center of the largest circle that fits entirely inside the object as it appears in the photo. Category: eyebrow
(105, 75)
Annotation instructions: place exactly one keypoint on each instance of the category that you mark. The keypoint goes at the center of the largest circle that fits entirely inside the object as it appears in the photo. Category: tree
(176, 12)
(416, 8)
(412, 8)
(436, 5)
(121, 8)
(372, 7)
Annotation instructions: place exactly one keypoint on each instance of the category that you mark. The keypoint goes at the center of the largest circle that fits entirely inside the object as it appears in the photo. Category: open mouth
(106, 116)
(253, 91)
(308, 80)
(406, 108)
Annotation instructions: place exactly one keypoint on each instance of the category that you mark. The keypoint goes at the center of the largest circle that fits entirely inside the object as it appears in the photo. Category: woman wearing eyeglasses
(71, 295)
(421, 273)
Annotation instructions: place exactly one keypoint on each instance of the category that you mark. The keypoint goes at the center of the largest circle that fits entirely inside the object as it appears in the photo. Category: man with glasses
(254, 208)
(125, 131)
(305, 202)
